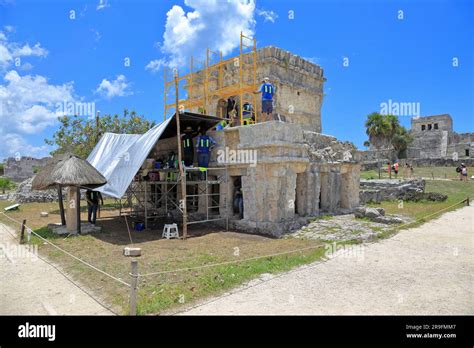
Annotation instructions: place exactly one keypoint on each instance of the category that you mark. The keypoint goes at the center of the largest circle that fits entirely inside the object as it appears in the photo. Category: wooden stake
(22, 232)
(133, 287)
(78, 207)
(61, 205)
(180, 161)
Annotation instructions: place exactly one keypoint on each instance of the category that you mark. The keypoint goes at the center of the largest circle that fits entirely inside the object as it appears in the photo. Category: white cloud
(213, 24)
(155, 65)
(11, 50)
(118, 87)
(28, 105)
(268, 16)
(9, 28)
(29, 102)
(15, 144)
(102, 5)
(97, 35)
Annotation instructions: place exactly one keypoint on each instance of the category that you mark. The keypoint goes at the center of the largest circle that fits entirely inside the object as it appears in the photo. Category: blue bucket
(139, 226)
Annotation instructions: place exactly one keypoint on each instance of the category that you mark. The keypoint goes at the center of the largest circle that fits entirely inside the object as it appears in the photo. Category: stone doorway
(237, 197)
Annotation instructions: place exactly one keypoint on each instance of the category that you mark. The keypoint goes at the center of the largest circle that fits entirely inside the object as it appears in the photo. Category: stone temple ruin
(433, 137)
(435, 143)
(299, 172)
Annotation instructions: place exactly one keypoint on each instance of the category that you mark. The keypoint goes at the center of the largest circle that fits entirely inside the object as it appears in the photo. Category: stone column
(269, 193)
(71, 210)
(335, 191)
(350, 187)
(325, 191)
(308, 186)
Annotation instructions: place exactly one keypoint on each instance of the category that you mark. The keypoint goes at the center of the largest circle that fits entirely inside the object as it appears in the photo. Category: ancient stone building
(299, 86)
(433, 137)
(299, 172)
(19, 169)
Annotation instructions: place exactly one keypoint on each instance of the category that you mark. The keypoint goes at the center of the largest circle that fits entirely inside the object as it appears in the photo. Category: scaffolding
(208, 83)
(154, 200)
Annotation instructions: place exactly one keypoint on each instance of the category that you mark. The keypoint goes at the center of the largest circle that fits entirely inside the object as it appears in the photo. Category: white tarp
(118, 157)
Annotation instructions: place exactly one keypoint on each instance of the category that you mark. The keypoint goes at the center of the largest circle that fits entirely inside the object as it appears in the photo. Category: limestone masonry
(433, 137)
(299, 172)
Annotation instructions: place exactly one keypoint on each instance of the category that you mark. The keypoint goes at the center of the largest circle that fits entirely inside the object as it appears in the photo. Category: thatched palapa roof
(68, 170)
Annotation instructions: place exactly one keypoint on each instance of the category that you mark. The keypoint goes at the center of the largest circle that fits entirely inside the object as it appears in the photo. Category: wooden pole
(180, 162)
(78, 207)
(97, 130)
(133, 287)
(22, 232)
(61, 205)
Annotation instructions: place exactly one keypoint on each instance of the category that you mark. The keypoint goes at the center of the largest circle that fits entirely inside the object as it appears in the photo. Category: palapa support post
(180, 161)
(467, 201)
(61, 205)
(22, 232)
(133, 287)
(78, 207)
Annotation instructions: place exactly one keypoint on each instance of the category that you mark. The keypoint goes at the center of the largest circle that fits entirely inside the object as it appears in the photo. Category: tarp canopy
(118, 157)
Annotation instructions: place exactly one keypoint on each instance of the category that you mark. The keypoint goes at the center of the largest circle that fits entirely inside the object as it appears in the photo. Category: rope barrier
(231, 262)
(195, 267)
(68, 253)
(276, 254)
(429, 215)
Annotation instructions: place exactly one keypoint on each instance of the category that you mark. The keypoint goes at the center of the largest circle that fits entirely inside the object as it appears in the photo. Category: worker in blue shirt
(247, 113)
(268, 91)
(204, 145)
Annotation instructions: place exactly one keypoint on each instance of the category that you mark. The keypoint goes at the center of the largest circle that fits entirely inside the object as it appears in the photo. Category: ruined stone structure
(289, 171)
(433, 137)
(299, 85)
(434, 144)
(20, 169)
(298, 174)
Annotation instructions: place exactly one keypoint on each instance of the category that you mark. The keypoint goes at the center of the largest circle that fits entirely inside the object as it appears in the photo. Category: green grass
(168, 292)
(157, 298)
(424, 211)
(322, 217)
(424, 172)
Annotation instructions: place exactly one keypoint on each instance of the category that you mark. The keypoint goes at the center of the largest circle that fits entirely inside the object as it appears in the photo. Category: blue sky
(371, 52)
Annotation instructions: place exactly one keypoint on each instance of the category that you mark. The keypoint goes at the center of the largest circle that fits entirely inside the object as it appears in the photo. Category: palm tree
(379, 129)
(400, 141)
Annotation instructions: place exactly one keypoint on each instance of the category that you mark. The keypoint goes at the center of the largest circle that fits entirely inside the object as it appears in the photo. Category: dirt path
(424, 270)
(29, 285)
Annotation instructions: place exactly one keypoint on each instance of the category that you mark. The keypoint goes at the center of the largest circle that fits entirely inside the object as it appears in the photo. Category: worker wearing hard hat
(268, 91)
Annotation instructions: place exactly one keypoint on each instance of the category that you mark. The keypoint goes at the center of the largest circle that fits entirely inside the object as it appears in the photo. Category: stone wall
(382, 189)
(299, 84)
(298, 175)
(437, 122)
(438, 140)
(20, 169)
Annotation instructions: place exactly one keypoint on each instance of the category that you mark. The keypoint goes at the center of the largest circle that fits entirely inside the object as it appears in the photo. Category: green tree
(400, 141)
(385, 131)
(79, 135)
(379, 129)
(6, 184)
